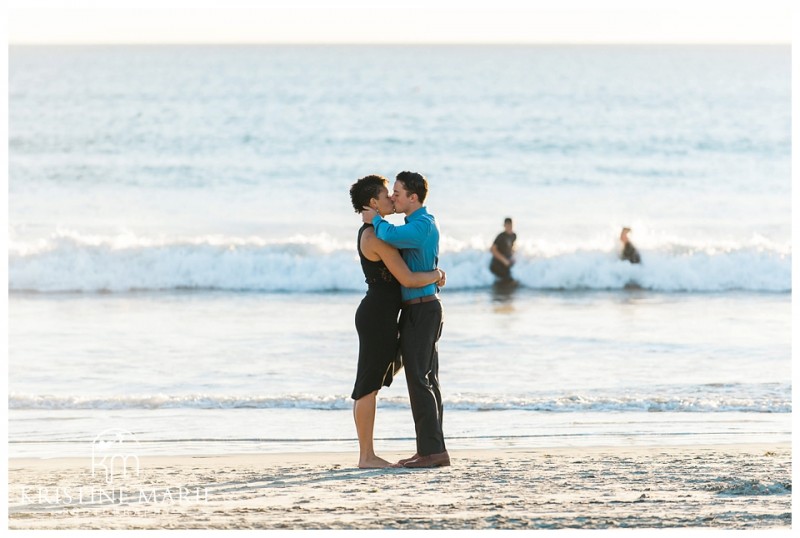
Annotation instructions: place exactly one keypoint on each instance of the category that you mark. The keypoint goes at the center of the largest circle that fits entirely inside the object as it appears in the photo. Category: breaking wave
(73, 263)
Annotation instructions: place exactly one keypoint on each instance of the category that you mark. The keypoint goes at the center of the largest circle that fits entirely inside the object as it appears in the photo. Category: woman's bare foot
(373, 462)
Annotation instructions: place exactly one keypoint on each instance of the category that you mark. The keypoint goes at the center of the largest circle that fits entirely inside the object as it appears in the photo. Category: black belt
(426, 299)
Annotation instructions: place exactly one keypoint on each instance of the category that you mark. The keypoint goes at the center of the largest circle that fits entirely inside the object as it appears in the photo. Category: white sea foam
(68, 261)
(707, 399)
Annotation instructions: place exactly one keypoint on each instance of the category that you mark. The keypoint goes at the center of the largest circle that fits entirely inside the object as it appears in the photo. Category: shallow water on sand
(226, 372)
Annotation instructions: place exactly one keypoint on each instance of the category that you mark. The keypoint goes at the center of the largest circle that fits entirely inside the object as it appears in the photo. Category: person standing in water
(503, 252)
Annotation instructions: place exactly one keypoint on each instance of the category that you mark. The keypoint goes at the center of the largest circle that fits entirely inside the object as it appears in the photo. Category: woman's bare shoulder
(370, 244)
(368, 237)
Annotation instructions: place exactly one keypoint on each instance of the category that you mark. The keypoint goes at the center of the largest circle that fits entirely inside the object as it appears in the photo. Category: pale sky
(410, 21)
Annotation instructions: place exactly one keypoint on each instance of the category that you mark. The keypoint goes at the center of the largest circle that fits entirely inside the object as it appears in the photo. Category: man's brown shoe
(442, 459)
(406, 460)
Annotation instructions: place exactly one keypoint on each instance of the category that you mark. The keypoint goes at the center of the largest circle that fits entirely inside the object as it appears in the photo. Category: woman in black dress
(376, 317)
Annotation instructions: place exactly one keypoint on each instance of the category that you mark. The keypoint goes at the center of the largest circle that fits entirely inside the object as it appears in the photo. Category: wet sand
(724, 486)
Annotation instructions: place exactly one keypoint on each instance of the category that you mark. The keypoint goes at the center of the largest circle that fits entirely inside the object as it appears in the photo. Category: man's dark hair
(365, 189)
(414, 183)
(507, 221)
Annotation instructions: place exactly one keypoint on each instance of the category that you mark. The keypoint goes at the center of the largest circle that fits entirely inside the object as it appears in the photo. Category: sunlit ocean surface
(182, 256)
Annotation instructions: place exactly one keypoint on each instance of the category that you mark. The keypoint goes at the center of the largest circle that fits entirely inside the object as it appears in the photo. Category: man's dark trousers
(420, 329)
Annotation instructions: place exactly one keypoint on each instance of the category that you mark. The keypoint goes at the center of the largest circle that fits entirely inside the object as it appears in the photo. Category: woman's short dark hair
(414, 183)
(365, 189)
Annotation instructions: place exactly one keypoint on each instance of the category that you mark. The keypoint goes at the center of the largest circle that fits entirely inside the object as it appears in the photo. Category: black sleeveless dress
(376, 323)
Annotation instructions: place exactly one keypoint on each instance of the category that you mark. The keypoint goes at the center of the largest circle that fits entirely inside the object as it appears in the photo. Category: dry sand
(724, 486)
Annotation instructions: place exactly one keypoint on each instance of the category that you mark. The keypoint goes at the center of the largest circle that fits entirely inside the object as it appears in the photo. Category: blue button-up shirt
(418, 240)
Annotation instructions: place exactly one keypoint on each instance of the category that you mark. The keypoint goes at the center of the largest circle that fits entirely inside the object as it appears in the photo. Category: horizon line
(401, 43)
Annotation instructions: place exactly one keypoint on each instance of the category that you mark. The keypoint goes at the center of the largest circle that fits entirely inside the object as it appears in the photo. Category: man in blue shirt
(421, 318)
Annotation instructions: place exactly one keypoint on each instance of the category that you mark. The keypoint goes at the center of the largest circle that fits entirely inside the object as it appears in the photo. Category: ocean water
(182, 258)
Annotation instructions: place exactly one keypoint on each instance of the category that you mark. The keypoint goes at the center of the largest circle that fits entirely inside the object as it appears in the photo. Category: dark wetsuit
(630, 253)
(376, 323)
(505, 244)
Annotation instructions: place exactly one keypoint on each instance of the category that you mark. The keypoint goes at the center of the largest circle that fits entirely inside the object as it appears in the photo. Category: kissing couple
(400, 264)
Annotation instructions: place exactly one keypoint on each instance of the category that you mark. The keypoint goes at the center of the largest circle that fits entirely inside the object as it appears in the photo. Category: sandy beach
(723, 486)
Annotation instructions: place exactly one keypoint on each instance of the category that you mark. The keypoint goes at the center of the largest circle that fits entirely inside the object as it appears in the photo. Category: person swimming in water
(629, 252)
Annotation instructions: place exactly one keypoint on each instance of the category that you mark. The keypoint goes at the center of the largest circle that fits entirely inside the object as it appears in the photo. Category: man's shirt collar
(416, 214)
